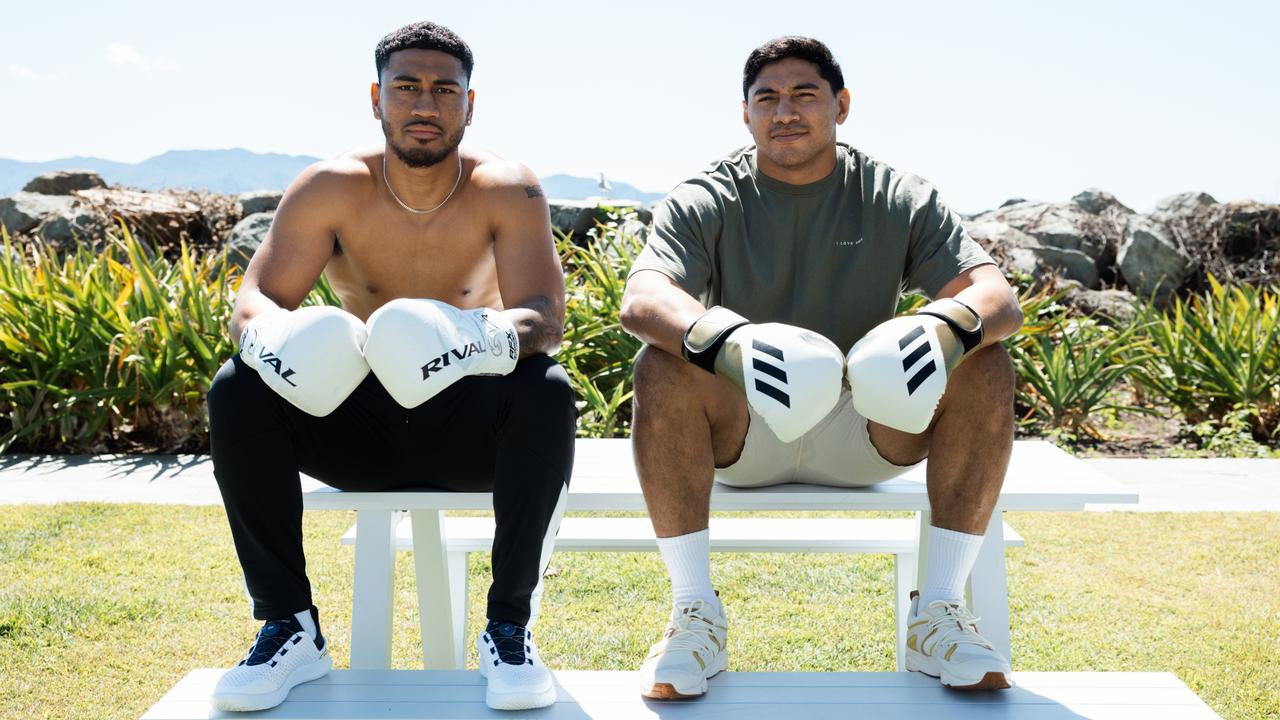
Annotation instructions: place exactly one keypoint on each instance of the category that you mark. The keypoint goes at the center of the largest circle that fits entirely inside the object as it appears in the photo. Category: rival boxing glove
(792, 377)
(419, 347)
(309, 356)
(898, 371)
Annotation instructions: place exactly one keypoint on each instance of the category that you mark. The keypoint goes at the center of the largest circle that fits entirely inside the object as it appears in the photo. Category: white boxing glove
(898, 371)
(792, 377)
(309, 356)
(419, 347)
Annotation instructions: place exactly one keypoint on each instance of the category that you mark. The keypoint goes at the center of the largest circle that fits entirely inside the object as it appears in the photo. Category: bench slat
(727, 535)
(1040, 477)
(764, 695)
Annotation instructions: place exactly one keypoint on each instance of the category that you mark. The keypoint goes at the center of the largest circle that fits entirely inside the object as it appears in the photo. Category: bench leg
(904, 581)
(435, 613)
(923, 519)
(989, 587)
(371, 600)
(459, 589)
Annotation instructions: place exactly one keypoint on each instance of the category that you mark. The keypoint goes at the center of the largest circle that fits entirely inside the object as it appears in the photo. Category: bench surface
(1041, 477)
(475, 534)
(351, 694)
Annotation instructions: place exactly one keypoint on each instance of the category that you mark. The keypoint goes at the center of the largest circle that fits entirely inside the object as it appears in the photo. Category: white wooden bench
(1040, 477)
(453, 694)
(897, 537)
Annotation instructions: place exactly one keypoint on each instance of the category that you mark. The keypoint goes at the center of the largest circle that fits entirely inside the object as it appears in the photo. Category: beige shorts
(837, 451)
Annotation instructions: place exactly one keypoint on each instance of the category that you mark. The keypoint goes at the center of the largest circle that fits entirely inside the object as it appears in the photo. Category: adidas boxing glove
(417, 348)
(309, 356)
(898, 371)
(791, 377)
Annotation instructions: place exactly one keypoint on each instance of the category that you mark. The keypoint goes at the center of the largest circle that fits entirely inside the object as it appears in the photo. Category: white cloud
(129, 56)
(25, 73)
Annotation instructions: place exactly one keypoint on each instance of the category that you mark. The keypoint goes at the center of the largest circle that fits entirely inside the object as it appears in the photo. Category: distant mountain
(222, 171)
(238, 170)
(568, 187)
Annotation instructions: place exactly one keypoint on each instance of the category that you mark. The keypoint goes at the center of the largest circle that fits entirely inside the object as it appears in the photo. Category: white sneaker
(943, 641)
(283, 655)
(693, 649)
(509, 660)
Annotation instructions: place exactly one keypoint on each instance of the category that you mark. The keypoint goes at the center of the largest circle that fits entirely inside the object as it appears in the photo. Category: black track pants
(511, 434)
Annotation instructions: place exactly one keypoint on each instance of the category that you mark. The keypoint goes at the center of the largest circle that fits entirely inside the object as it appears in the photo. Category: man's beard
(423, 157)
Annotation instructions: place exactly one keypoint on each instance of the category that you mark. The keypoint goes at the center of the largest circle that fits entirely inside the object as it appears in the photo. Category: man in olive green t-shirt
(798, 372)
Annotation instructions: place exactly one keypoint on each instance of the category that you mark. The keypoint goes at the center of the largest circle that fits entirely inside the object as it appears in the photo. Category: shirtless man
(435, 372)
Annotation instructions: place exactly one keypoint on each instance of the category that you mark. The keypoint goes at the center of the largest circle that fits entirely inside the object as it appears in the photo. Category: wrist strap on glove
(962, 319)
(704, 338)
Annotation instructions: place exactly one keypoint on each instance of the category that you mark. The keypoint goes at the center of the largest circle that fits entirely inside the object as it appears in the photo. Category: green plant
(114, 344)
(1231, 435)
(1217, 351)
(597, 353)
(1067, 375)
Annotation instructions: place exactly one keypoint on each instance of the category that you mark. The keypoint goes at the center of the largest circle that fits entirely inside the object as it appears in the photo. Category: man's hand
(898, 371)
(791, 376)
(310, 356)
(419, 347)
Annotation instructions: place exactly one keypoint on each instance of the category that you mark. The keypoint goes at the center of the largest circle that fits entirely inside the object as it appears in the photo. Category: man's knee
(540, 385)
(659, 374)
(991, 369)
(982, 388)
(234, 387)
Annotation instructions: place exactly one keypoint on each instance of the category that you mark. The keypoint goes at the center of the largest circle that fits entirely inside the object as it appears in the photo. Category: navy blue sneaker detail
(509, 641)
(278, 634)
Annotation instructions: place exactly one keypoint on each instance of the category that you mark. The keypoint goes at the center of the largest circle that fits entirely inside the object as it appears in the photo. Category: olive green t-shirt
(832, 256)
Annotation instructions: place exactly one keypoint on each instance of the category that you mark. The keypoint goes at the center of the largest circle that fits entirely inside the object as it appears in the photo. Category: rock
(259, 201)
(1183, 205)
(580, 216)
(1013, 201)
(1056, 224)
(636, 227)
(75, 225)
(161, 217)
(1066, 226)
(1151, 260)
(23, 211)
(1022, 253)
(64, 182)
(1098, 202)
(1116, 306)
(246, 236)
(1067, 263)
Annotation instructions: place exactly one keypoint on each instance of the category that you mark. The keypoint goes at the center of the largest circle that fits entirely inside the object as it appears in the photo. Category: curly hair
(423, 36)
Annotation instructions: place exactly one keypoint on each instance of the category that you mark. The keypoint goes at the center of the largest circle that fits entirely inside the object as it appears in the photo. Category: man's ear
(746, 120)
(843, 102)
(471, 104)
(375, 92)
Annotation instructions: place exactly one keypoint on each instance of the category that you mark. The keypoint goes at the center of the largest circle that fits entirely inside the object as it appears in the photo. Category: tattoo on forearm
(533, 191)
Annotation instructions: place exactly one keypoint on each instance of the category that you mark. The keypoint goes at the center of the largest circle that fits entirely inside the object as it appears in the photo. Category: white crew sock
(304, 619)
(688, 559)
(951, 558)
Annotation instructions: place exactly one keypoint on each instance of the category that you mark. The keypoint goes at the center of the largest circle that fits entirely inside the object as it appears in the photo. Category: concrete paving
(1208, 485)
(1163, 485)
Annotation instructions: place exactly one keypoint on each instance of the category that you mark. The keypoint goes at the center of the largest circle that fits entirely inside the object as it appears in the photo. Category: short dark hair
(793, 46)
(423, 36)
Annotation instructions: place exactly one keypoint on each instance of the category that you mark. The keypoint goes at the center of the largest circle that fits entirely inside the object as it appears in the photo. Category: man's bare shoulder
(341, 174)
(501, 176)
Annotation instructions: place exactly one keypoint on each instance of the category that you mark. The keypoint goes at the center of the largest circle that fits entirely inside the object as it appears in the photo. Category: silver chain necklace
(416, 211)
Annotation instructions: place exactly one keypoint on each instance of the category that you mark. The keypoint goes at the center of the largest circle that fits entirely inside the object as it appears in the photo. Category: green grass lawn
(104, 607)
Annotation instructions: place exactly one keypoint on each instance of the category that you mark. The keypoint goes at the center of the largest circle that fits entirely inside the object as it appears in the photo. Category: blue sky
(988, 100)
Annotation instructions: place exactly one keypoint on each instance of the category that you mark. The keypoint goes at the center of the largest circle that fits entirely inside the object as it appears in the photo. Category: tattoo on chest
(533, 191)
